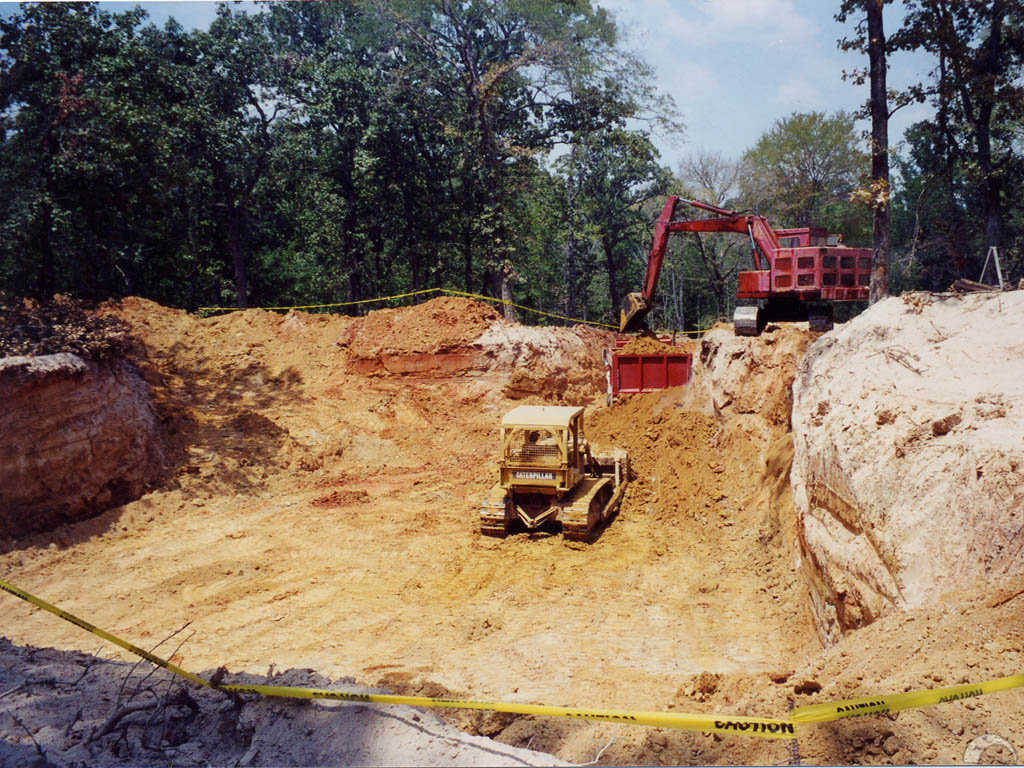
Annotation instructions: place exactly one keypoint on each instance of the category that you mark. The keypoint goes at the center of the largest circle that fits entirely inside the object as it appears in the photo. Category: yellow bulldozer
(549, 475)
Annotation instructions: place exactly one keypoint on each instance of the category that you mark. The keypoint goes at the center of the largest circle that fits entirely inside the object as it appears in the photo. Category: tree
(871, 39)
(320, 152)
(74, 161)
(621, 174)
(979, 47)
(711, 178)
(803, 169)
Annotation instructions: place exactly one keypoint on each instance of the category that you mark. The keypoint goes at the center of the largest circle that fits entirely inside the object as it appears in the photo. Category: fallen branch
(24, 727)
(963, 285)
(118, 716)
(901, 355)
(1005, 600)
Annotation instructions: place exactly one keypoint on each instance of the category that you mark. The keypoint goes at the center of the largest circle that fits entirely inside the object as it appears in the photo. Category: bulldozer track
(494, 513)
(581, 518)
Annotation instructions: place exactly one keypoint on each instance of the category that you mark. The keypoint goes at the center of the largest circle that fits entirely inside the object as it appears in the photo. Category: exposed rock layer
(79, 437)
(908, 472)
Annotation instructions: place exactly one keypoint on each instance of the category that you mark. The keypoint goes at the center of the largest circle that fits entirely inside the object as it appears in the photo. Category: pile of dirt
(651, 345)
(454, 337)
(429, 338)
(909, 460)
(549, 365)
(436, 325)
(80, 437)
(323, 515)
(748, 380)
(61, 325)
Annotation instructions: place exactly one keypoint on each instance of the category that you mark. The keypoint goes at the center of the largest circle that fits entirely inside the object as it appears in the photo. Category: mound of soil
(650, 345)
(80, 437)
(453, 337)
(62, 324)
(438, 325)
(749, 377)
(552, 365)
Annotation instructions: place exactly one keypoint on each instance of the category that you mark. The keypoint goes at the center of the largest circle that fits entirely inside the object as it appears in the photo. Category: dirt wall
(448, 337)
(79, 437)
(908, 473)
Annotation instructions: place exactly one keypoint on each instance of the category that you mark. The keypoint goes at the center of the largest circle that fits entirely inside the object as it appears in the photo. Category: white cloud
(711, 22)
(798, 94)
(735, 66)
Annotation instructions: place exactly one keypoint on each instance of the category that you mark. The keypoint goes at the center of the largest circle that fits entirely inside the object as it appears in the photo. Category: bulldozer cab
(543, 448)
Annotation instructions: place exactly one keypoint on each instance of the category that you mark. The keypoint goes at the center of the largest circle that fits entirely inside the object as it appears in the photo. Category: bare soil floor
(316, 516)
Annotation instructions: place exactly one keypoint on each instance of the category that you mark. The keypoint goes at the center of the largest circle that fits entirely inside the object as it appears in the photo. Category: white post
(993, 254)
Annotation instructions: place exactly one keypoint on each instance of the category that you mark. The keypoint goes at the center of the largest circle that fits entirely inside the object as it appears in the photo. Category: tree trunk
(612, 269)
(991, 194)
(238, 258)
(947, 149)
(879, 151)
(498, 278)
(571, 260)
(45, 277)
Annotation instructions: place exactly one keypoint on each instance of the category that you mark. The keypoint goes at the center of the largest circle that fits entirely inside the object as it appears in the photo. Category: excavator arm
(636, 305)
(764, 243)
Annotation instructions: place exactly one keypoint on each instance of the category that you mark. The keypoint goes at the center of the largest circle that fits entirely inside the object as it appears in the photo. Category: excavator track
(591, 503)
(746, 321)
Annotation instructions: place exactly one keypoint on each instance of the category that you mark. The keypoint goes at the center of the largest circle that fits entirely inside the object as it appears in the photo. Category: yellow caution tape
(527, 309)
(100, 633)
(755, 726)
(447, 291)
(875, 705)
(770, 728)
(325, 306)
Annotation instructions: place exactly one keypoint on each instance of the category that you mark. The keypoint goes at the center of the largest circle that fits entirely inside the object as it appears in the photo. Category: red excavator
(798, 273)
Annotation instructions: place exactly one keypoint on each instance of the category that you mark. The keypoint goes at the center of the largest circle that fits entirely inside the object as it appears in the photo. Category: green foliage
(962, 171)
(320, 152)
(313, 152)
(803, 169)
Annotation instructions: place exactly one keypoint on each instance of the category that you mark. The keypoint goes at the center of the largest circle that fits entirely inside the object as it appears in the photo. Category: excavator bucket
(634, 310)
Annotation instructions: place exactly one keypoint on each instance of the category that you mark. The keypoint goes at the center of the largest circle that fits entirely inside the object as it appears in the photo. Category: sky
(733, 67)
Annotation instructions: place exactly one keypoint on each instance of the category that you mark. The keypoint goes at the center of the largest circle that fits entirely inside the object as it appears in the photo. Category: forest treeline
(310, 153)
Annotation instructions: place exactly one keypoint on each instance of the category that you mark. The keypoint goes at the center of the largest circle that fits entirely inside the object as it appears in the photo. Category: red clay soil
(650, 345)
(438, 325)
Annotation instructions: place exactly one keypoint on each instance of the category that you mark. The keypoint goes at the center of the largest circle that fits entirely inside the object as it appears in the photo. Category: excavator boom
(802, 278)
(636, 305)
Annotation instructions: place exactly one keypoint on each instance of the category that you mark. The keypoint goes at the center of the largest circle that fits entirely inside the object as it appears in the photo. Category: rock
(79, 437)
(891, 745)
(909, 485)
(805, 687)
